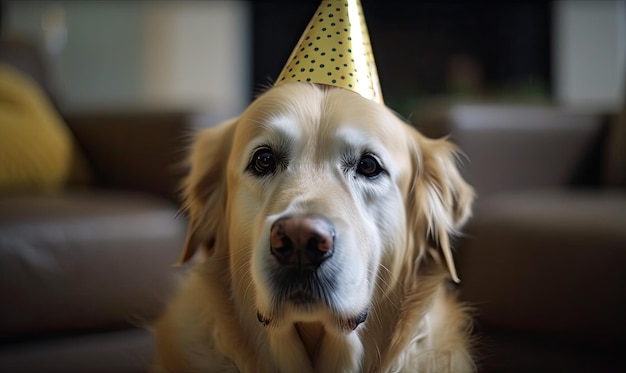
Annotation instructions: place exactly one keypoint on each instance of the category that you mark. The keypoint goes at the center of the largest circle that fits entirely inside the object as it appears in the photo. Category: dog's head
(313, 193)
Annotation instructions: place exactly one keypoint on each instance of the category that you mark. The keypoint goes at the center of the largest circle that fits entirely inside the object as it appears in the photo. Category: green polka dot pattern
(335, 50)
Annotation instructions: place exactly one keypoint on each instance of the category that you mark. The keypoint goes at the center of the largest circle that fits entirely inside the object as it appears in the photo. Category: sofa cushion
(550, 262)
(127, 350)
(84, 260)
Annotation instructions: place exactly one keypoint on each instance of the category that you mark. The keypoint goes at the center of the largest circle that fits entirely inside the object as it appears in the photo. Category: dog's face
(312, 196)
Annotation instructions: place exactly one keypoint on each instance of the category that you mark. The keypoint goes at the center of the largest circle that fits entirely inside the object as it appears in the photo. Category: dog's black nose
(302, 241)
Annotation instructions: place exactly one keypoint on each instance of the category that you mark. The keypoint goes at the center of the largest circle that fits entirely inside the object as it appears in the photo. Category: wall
(590, 52)
(183, 54)
(197, 54)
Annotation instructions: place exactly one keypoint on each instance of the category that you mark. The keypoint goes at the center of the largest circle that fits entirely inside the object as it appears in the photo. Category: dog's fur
(390, 232)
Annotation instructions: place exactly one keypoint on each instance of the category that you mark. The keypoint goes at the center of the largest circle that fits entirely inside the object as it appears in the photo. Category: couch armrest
(135, 150)
(514, 147)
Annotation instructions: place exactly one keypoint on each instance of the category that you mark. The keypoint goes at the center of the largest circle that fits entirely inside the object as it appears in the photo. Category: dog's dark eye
(263, 162)
(368, 166)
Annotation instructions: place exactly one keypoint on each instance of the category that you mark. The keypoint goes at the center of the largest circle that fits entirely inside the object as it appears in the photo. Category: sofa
(87, 263)
(542, 261)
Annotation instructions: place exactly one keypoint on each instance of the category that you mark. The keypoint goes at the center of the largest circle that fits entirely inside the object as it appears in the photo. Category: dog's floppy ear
(439, 200)
(204, 188)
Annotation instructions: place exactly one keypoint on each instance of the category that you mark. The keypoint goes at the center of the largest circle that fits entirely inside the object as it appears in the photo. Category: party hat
(335, 50)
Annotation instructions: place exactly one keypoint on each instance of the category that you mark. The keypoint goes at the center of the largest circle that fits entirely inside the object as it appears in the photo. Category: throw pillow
(36, 147)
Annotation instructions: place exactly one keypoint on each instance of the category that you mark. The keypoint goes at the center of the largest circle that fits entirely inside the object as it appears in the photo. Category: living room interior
(534, 93)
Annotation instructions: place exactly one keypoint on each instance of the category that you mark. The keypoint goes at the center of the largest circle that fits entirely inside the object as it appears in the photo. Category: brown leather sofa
(84, 272)
(543, 259)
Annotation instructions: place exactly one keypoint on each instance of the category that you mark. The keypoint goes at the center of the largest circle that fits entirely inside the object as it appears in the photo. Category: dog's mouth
(351, 323)
(310, 297)
(344, 323)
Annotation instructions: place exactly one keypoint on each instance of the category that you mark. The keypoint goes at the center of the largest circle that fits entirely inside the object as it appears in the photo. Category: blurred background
(99, 101)
(215, 55)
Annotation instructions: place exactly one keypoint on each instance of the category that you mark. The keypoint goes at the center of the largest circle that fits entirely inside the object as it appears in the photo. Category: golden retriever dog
(323, 222)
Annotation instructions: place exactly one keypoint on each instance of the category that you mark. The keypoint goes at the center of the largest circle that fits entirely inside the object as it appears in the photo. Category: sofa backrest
(527, 146)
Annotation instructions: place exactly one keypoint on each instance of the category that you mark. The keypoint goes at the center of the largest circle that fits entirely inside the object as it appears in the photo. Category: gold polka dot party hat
(335, 50)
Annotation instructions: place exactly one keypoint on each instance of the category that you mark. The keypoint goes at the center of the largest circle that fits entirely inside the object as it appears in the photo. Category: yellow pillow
(36, 147)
